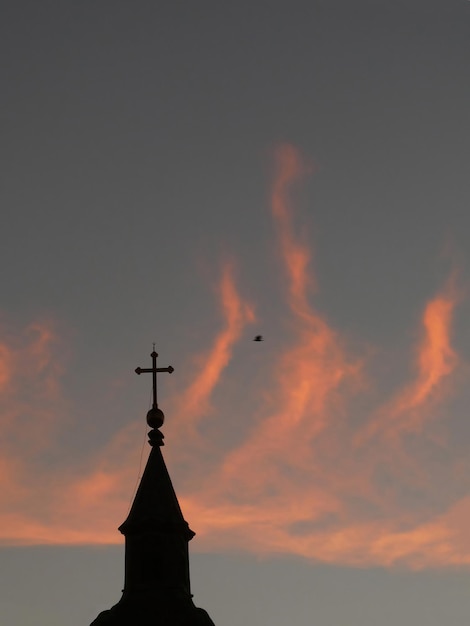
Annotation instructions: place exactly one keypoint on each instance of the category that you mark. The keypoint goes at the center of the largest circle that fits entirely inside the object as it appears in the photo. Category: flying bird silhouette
(258, 338)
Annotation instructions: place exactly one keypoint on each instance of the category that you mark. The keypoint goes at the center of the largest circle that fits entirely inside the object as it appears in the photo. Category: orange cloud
(268, 530)
(436, 358)
(435, 362)
(31, 367)
(316, 469)
(311, 371)
(101, 489)
(194, 402)
(5, 367)
(31, 409)
(291, 169)
(297, 484)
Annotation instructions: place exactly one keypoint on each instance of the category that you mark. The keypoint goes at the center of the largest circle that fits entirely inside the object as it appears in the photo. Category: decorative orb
(155, 418)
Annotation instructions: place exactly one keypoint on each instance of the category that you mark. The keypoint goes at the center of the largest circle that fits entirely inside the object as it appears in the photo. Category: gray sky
(194, 174)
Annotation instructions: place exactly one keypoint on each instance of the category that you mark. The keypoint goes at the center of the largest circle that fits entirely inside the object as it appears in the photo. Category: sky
(194, 174)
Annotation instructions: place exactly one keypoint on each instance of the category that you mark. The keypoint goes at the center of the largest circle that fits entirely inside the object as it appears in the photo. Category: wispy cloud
(312, 473)
(311, 479)
(434, 363)
(194, 402)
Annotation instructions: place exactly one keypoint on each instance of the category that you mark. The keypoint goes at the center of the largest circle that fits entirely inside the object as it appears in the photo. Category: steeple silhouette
(157, 589)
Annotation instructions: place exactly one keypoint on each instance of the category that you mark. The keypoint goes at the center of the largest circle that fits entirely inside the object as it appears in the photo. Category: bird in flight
(258, 338)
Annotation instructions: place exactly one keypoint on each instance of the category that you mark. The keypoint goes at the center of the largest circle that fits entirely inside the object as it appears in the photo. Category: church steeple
(157, 588)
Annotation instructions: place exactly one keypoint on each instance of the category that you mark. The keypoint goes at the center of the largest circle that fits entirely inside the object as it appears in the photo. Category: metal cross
(154, 369)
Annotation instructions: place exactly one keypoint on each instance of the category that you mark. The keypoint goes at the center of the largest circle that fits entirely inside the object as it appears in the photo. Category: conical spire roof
(155, 506)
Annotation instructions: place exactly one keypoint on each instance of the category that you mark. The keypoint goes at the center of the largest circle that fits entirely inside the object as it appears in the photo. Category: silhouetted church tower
(157, 590)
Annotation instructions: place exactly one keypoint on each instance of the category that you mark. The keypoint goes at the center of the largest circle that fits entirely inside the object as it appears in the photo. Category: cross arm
(150, 370)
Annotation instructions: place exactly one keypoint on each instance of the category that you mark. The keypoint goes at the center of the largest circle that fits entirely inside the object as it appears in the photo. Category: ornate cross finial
(154, 369)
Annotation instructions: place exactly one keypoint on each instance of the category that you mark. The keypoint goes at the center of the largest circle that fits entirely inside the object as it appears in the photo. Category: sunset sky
(194, 174)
